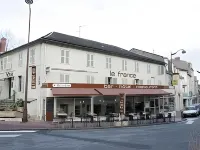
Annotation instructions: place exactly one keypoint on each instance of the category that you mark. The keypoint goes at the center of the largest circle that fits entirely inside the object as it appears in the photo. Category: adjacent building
(77, 76)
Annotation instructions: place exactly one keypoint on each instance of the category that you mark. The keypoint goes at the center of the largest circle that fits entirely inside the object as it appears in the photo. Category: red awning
(132, 92)
(73, 92)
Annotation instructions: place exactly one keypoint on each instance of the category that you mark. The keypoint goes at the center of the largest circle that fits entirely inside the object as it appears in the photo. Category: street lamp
(25, 113)
(183, 52)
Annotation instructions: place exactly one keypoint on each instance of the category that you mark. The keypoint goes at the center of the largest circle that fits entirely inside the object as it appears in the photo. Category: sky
(159, 26)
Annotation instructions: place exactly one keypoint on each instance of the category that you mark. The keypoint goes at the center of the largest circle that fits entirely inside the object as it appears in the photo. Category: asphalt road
(179, 136)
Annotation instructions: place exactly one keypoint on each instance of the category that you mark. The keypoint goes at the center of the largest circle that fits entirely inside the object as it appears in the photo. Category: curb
(92, 128)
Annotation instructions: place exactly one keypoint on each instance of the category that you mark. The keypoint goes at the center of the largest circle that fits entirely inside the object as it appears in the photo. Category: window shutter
(62, 59)
(92, 60)
(110, 63)
(92, 79)
(106, 62)
(62, 78)
(106, 80)
(122, 64)
(158, 70)
(125, 65)
(88, 78)
(67, 57)
(88, 60)
(33, 56)
(66, 78)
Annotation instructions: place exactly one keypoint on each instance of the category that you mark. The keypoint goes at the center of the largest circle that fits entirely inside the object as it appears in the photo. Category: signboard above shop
(104, 86)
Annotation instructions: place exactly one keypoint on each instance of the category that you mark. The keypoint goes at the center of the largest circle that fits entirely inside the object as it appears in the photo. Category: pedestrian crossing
(14, 134)
(191, 120)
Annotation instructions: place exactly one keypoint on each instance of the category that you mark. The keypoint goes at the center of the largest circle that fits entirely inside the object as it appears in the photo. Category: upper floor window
(64, 57)
(110, 80)
(136, 66)
(90, 60)
(108, 62)
(90, 79)
(148, 82)
(64, 78)
(6, 63)
(20, 59)
(32, 56)
(124, 81)
(148, 68)
(160, 70)
(124, 65)
(2, 66)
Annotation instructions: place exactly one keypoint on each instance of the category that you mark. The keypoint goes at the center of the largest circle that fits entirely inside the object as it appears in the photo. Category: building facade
(83, 75)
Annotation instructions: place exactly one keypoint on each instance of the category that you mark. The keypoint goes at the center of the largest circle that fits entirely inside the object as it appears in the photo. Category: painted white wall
(78, 61)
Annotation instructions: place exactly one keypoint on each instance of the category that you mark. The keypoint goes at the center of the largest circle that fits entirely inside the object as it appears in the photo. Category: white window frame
(64, 78)
(20, 59)
(5, 62)
(64, 56)
(124, 65)
(137, 66)
(32, 56)
(9, 62)
(108, 62)
(148, 68)
(161, 70)
(90, 79)
(159, 82)
(90, 60)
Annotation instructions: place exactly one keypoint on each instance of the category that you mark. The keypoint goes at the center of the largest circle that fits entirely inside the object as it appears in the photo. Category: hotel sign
(122, 97)
(33, 80)
(122, 74)
(102, 86)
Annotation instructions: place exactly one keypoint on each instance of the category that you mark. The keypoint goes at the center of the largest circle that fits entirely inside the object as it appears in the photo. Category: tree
(12, 41)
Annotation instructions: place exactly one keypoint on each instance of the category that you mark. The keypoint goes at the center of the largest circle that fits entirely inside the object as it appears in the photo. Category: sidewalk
(41, 125)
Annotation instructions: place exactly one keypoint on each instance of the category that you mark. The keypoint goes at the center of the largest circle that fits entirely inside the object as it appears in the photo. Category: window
(90, 79)
(20, 83)
(159, 82)
(148, 68)
(108, 62)
(136, 67)
(124, 81)
(124, 65)
(148, 82)
(110, 80)
(9, 63)
(20, 59)
(138, 82)
(32, 56)
(64, 57)
(160, 70)
(64, 78)
(90, 60)
(2, 64)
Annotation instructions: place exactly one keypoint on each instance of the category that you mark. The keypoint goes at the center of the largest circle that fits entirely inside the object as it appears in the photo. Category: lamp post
(183, 52)
(25, 115)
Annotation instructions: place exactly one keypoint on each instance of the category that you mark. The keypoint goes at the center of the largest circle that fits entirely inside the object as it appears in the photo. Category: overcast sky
(159, 25)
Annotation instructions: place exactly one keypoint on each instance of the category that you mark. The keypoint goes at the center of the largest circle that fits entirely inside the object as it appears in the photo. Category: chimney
(177, 58)
(3, 45)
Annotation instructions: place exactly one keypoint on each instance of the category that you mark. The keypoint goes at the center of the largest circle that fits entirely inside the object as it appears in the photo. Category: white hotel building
(93, 73)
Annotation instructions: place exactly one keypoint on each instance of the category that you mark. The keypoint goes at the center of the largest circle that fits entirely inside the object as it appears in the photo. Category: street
(178, 136)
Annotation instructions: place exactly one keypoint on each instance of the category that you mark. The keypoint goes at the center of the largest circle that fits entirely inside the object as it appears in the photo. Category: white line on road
(190, 122)
(10, 136)
(20, 131)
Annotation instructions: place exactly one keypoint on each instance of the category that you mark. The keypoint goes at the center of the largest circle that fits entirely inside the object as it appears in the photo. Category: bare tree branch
(12, 42)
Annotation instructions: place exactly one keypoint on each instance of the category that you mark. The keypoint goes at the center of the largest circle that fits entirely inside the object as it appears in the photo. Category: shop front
(77, 100)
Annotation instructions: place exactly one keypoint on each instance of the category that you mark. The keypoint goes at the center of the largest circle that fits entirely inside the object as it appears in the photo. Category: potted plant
(20, 105)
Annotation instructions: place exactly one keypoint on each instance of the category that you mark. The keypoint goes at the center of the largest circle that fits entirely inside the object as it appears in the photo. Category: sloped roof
(180, 64)
(98, 47)
(148, 55)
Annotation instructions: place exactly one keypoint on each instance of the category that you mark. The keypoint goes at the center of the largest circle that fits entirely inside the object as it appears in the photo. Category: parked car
(198, 106)
(191, 111)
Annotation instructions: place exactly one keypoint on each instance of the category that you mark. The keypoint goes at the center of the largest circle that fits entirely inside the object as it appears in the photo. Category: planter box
(20, 109)
(7, 114)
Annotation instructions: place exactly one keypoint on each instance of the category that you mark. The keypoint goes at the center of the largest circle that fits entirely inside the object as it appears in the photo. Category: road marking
(190, 122)
(10, 136)
(20, 131)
